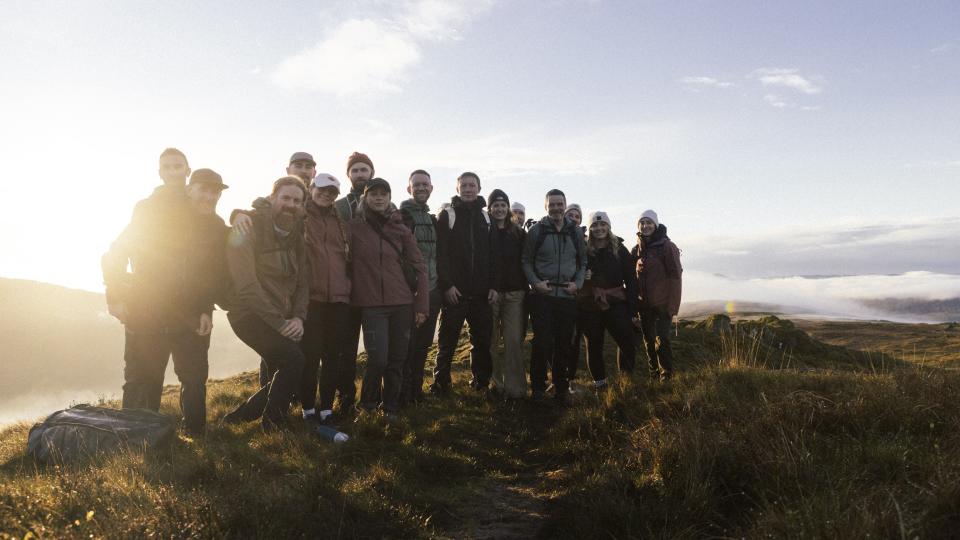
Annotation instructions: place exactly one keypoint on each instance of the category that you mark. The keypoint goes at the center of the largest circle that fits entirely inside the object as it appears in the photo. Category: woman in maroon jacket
(659, 273)
(380, 246)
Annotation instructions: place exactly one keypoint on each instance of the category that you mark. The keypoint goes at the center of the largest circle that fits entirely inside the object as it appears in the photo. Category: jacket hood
(411, 205)
(547, 222)
(457, 202)
(658, 236)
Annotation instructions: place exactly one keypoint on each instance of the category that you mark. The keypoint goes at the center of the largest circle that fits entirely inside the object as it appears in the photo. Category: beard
(286, 220)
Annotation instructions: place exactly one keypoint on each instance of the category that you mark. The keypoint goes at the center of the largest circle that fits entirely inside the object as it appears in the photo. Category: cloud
(695, 84)
(946, 47)
(839, 249)
(836, 296)
(776, 101)
(378, 54)
(787, 78)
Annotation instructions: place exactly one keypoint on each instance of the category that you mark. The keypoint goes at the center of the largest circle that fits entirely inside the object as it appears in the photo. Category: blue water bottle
(331, 434)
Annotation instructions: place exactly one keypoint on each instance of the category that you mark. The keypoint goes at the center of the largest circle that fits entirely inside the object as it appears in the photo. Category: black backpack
(86, 431)
(541, 238)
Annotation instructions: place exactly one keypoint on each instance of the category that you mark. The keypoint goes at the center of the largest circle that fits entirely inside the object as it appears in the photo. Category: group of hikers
(304, 271)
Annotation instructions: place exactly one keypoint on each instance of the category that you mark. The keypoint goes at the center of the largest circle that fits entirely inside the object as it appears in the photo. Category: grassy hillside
(934, 344)
(737, 446)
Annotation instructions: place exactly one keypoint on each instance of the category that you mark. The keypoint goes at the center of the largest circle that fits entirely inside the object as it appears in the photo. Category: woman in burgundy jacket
(380, 246)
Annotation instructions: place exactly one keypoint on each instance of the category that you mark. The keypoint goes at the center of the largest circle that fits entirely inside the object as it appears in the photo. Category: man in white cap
(518, 214)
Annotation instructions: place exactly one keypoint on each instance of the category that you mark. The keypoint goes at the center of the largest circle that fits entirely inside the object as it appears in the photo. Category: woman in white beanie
(659, 275)
(608, 300)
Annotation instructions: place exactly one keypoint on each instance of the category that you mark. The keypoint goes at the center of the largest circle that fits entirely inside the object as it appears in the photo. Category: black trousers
(283, 357)
(655, 323)
(420, 340)
(386, 338)
(475, 310)
(325, 346)
(595, 325)
(553, 322)
(145, 358)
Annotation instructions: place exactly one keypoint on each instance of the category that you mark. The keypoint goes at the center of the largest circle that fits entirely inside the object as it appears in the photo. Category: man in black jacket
(466, 272)
(174, 245)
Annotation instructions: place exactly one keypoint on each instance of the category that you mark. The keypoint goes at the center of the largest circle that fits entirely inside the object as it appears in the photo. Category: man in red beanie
(360, 170)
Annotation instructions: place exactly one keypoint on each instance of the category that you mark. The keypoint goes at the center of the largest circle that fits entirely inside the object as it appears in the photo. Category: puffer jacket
(424, 226)
(659, 271)
(464, 255)
(376, 271)
(176, 257)
(269, 271)
(327, 242)
(561, 257)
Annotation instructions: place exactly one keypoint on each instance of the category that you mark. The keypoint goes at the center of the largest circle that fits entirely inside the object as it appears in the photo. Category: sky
(774, 139)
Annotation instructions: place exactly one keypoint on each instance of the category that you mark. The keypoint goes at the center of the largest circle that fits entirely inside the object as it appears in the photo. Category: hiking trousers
(386, 338)
(325, 347)
(475, 311)
(616, 321)
(420, 340)
(509, 373)
(145, 359)
(655, 323)
(553, 321)
(283, 357)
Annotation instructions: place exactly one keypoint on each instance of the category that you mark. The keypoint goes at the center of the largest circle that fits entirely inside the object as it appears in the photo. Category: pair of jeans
(655, 323)
(508, 314)
(325, 346)
(386, 337)
(283, 358)
(475, 310)
(421, 337)
(553, 322)
(145, 358)
(615, 320)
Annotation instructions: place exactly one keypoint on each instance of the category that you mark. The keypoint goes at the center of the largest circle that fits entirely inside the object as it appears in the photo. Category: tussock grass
(739, 444)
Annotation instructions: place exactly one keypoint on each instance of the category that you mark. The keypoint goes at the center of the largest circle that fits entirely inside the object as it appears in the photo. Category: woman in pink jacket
(381, 246)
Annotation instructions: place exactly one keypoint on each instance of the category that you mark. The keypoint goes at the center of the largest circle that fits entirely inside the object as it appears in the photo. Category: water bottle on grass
(330, 434)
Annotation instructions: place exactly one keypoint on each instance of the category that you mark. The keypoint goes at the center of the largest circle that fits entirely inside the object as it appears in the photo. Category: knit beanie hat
(362, 158)
(519, 207)
(599, 217)
(497, 195)
(651, 215)
(573, 206)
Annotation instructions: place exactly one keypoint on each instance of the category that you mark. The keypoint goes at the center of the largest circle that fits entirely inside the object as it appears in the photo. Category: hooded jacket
(417, 218)
(269, 271)
(376, 271)
(347, 205)
(659, 271)
(556, 259)
(465, 258)
(176, 257)
(327, 243)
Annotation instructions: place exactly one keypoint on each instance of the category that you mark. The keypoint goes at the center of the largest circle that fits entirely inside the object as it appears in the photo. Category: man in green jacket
(417, 216)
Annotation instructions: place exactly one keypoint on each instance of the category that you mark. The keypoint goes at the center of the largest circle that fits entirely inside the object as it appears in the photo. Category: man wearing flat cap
(174, 247)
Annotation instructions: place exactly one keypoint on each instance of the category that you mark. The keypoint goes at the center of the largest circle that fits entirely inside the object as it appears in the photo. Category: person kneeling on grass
(659, 274)
(608, 299)
(269, 299)
(381, 246)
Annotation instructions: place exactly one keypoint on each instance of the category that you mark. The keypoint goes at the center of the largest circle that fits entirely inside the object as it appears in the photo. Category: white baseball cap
(322, 180)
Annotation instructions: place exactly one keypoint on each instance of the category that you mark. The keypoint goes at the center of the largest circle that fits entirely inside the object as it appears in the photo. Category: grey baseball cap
(303, 156)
